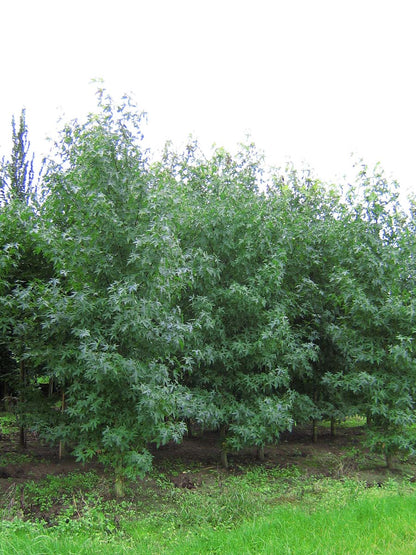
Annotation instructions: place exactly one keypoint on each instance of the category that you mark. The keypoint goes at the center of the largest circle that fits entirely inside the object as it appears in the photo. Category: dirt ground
(330, 456)
(194, 462)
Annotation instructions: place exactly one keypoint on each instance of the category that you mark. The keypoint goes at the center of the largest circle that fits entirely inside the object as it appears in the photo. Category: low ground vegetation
(332, 496)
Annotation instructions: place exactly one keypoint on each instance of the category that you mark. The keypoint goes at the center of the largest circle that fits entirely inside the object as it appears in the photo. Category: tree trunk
(315, 421)
(333, 424)
(50, 387)
(224, 454)
(119, 485)
(260, 453)
(389, 460)
(22, 431)
(22, 437)
(224, 457)
(4, 394)
(61, 449)
(314, 430)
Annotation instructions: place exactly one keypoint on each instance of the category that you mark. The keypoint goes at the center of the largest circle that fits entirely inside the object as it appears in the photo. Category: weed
(271, 510)
(52, 495)
(71, 514)
(8, 424)
(16, 458)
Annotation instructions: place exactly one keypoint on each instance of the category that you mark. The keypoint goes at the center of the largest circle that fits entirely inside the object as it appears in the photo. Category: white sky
(312, 80)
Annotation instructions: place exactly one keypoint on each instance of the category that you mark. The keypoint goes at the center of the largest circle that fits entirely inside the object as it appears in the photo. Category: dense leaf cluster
(190, 291)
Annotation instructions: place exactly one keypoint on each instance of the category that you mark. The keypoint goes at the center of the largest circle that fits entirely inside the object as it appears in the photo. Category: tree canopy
(157, 294)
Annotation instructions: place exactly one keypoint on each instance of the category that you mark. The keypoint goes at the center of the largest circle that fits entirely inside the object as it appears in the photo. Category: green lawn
(333, 518)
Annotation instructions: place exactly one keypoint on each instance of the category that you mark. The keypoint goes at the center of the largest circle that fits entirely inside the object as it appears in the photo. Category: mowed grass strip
(376, 521)
(369, 525)
(261, 511)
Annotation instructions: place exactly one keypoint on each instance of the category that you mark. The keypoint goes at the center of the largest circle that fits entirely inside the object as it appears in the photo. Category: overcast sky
(311, 80)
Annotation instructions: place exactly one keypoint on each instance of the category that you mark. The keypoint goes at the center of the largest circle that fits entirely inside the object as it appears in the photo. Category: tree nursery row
(140, 296)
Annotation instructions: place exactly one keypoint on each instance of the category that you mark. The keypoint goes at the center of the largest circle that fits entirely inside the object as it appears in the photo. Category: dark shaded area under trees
(154, 296)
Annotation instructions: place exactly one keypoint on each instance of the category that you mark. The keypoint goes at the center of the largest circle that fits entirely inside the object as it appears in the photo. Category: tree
(243, 348)
(108, 323)
(375, 329)
(17, 174)
(308, 212)
(154, 294)
(20, 262)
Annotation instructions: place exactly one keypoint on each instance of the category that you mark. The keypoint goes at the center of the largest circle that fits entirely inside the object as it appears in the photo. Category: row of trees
(154, 294)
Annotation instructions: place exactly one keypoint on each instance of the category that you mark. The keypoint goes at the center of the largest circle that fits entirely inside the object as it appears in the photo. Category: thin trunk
(50, 387)
(120, 484)
(61, 449)
(315, 421)
(260, 453)
(22, 437)
(4, 395)
(389, 460)
(314, 430)
(22, 431)
(224, 454)
(224, 457)
(333, 424)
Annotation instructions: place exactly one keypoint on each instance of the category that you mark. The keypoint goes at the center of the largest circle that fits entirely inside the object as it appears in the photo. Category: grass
(323, 507)
(261, 511)
(369, 525)
(350, 422)
(376, 521)
(8, 423)
(16, 458)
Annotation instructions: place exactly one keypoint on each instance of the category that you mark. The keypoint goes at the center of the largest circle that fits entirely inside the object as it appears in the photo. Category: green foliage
(53, 489)
(16, 174)
(376, 324)
(7, 423)
(242, 346)
(205, 290)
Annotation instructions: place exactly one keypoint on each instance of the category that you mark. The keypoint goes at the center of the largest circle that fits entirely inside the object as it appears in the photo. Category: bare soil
(189, 464)
(38, 460)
